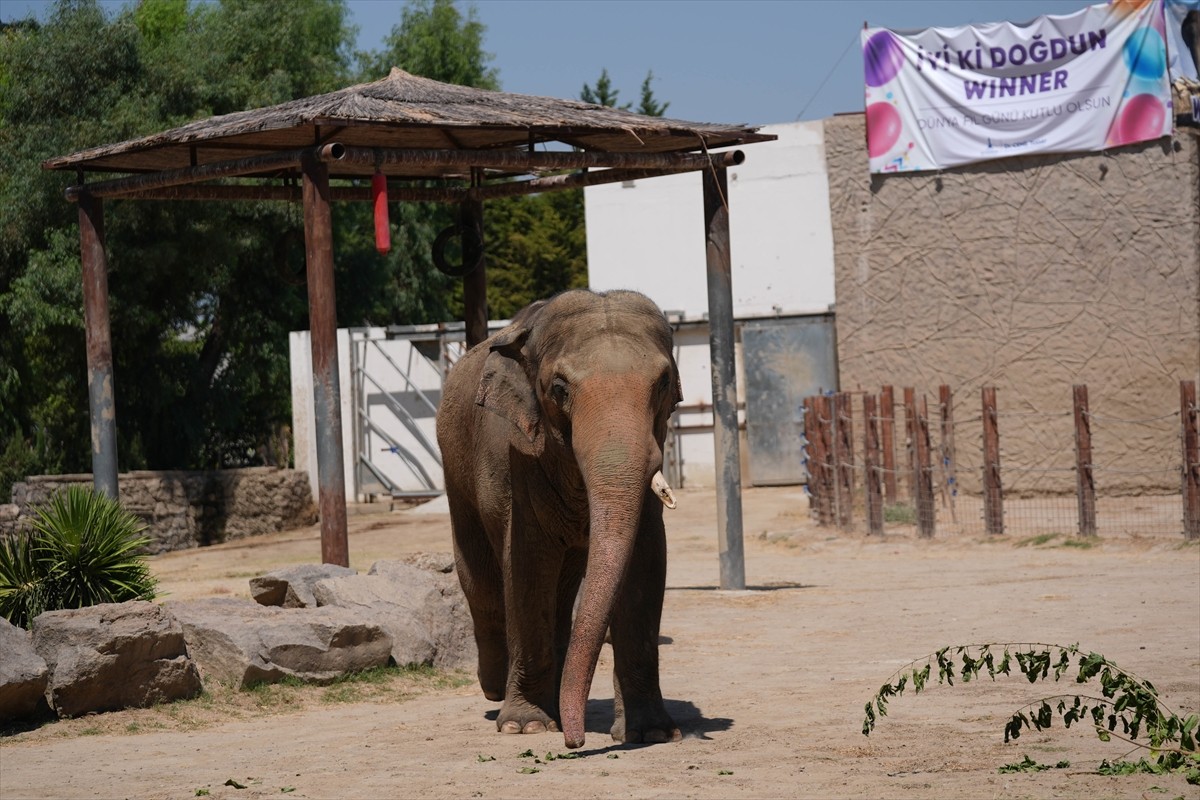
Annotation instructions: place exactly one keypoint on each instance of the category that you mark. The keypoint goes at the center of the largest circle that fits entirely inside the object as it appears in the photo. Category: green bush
(84, 549)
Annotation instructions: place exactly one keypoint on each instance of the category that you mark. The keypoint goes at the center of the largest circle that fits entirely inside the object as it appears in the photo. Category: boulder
(112, 656)
(423, 610)
(292, 587)
(23, 674)
(243, 643)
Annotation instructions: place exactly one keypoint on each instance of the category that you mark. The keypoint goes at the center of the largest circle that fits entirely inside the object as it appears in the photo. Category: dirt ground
(767, 684)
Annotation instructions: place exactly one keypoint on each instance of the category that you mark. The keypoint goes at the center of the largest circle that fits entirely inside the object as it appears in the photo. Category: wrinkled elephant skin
(552, 439)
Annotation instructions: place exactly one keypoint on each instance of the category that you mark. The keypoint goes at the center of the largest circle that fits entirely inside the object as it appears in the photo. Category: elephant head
(589, 382)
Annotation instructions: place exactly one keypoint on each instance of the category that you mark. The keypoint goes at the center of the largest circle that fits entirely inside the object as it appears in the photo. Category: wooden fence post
(910, 443)
(993, 495)
(844, 448)
(924, 471)
(949, 470)
(823, 447)
(812, 432)
(871, 483)
(887, 436)
(1085, 478)
(1191, 459)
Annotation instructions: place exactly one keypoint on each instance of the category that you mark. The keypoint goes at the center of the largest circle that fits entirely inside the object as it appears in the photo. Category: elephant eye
(558, 390)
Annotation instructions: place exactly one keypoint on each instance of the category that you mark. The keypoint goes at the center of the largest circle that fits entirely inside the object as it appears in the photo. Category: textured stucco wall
(1029, 274)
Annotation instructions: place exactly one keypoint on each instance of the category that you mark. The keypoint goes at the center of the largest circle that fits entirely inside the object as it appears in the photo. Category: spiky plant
(84, 549)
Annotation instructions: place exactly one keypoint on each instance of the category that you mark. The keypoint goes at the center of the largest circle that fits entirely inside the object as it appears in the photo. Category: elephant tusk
(659, 484)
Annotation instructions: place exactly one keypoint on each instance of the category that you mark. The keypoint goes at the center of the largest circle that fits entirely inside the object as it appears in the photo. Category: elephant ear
(505, 389)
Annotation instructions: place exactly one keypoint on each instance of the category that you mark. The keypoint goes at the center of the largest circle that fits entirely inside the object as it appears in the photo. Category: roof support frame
(662, 147)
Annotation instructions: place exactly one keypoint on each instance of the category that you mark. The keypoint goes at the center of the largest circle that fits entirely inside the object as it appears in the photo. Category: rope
(1172, 415)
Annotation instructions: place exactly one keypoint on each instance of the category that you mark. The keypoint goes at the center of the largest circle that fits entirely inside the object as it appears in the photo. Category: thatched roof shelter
(432, 141)
(409, 112)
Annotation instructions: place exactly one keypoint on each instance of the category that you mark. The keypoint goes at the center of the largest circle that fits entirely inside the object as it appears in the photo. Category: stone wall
(1029, 274)
(192, 509)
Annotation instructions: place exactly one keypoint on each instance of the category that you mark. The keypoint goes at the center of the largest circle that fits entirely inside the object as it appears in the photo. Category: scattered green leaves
(287, 789)
(724, 772)
(1127, 701)
(202, 792)
(484, 759)
(529, 770)
(1027, 764)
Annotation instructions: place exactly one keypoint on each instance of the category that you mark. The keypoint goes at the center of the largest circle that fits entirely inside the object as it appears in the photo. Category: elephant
(551, 434)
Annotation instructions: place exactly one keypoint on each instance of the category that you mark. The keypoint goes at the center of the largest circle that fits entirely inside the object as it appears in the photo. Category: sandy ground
(768, 684)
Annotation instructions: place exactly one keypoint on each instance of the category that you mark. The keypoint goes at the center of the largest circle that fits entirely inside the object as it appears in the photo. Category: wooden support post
(887, 437)
(824, 450)
(327, 410)
(949, 469)
(474, 282)
(718, 261)
(101, 396)
(872, 485)
(1188, 415)
(815, 458)
(910, 443)
(923, 471)
(843, 449)
(1085, 479)
(993, 495)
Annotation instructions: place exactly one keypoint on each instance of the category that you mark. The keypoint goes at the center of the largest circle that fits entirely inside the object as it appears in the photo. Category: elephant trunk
(616, 457)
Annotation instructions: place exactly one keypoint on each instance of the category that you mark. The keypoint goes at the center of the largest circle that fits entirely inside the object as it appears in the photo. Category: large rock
(423, 610)
(243, 643)
(292, 587)
(23, 674)
(112, 656)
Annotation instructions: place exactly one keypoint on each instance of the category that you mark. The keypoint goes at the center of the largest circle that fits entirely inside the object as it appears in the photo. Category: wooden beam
(327, 413)
(724, 379)
(101, 397)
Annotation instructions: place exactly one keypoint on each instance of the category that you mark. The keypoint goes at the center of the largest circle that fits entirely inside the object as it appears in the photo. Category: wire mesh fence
(877, 463)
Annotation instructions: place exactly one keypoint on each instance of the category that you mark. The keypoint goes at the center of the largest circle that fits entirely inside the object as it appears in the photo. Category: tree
(603, 94)
(434, 40)
(201, 321)
(649, 105)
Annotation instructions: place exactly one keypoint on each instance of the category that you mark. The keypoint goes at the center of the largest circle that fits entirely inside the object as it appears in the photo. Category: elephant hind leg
(483, 584)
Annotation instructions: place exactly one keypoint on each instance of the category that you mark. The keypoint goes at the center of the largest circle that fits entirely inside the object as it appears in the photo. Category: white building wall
(649, 234)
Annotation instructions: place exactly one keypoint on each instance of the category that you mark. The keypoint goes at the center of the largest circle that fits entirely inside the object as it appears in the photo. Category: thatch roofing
(404, 111)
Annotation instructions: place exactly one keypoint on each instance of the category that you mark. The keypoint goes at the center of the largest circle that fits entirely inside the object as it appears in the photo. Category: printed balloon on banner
(1141, 118)
(1145, 54)
(882, 58)
(883, 128)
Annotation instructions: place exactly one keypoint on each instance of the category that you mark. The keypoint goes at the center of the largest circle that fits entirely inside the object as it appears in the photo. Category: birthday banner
(1086, 81)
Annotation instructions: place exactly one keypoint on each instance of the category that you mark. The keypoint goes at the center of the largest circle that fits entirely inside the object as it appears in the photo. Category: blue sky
(738, 61)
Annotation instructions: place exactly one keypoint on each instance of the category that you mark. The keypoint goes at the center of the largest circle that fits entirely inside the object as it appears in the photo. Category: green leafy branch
(1126, 700)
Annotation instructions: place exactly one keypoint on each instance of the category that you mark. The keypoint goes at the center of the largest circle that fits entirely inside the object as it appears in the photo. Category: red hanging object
(383, 232)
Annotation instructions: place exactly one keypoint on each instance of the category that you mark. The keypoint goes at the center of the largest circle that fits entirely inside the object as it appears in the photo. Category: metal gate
(396, 379)
(785, 360)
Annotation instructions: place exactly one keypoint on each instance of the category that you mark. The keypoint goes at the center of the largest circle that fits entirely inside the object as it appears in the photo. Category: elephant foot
(645, 729)
(493, 674)
(525, 718)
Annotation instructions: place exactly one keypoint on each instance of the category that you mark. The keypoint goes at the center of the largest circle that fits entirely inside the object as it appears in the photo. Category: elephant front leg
(531, 589)
(640, 713)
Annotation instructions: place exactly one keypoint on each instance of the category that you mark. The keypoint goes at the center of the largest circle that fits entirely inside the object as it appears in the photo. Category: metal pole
(101, 399)
(724, 379)
(327, 412)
